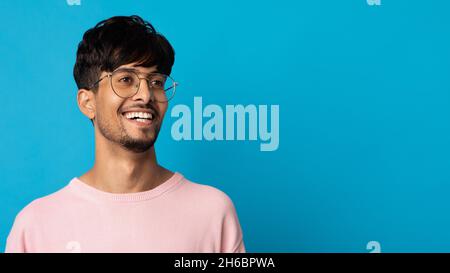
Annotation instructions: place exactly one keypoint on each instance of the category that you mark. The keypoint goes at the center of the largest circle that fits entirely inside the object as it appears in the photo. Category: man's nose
(145, 92)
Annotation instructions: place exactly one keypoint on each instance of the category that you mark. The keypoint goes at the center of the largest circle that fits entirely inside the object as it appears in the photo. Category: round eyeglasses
(125, 83)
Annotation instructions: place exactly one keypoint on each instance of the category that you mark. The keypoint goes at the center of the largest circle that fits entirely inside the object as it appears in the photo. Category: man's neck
(118, 170)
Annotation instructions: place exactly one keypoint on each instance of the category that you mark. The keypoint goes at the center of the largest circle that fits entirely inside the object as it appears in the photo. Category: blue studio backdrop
(343, 145)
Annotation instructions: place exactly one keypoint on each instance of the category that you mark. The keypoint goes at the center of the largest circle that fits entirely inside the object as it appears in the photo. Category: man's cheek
(162, 112)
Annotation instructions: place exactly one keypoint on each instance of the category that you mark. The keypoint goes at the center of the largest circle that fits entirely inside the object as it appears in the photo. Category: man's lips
(141, 117)
(144, 110)
(140, 123)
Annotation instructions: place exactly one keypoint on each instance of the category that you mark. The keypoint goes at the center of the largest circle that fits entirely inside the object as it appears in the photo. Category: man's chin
(138, 147)
(141, 140)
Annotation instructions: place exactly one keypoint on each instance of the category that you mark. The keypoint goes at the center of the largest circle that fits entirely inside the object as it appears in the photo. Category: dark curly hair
(117, 41)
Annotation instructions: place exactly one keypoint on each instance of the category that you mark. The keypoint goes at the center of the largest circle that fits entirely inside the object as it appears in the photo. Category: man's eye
(125, 79)
(158, 83)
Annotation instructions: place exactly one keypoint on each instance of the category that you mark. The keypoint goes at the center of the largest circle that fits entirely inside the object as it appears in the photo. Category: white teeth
(141, 115)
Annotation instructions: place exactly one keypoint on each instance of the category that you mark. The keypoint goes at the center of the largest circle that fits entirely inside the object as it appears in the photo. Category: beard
(123, 138)
(137, 145)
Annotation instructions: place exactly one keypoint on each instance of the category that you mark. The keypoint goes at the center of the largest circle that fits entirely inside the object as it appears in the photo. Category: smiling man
(127, 202)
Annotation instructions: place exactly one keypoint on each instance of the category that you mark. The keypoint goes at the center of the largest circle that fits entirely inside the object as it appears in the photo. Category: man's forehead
(140, 69)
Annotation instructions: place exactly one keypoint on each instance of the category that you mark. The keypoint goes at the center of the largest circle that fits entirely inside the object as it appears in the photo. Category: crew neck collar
(86, 189)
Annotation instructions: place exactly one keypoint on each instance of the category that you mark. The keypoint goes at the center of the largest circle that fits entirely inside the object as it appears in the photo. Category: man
(127, 202)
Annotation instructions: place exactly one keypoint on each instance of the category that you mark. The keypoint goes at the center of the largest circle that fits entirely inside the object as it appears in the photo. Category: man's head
(119, 43)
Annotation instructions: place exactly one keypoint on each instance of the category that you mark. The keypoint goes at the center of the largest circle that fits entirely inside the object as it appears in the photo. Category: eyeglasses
(125, 83)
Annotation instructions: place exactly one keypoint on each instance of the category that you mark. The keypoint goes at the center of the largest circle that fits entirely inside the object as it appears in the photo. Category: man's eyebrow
(139, 72)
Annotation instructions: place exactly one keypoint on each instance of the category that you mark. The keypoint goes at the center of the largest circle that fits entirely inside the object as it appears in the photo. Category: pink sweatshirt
(177, 216)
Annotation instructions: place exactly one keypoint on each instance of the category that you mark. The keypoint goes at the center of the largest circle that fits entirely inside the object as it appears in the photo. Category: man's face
(111, 111)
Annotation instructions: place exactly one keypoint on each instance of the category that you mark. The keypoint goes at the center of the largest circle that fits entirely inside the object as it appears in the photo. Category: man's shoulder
(207, 194)
(43, 204)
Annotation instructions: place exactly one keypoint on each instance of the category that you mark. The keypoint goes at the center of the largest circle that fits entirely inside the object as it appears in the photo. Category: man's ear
(86, 103)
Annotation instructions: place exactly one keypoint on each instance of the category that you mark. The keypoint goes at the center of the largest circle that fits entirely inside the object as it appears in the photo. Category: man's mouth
(139, 118)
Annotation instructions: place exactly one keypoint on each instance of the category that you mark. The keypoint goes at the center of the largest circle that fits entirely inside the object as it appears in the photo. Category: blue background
(364, 101)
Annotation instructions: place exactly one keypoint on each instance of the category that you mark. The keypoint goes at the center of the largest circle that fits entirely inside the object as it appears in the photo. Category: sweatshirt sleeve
(17, 238)
(232, 237)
